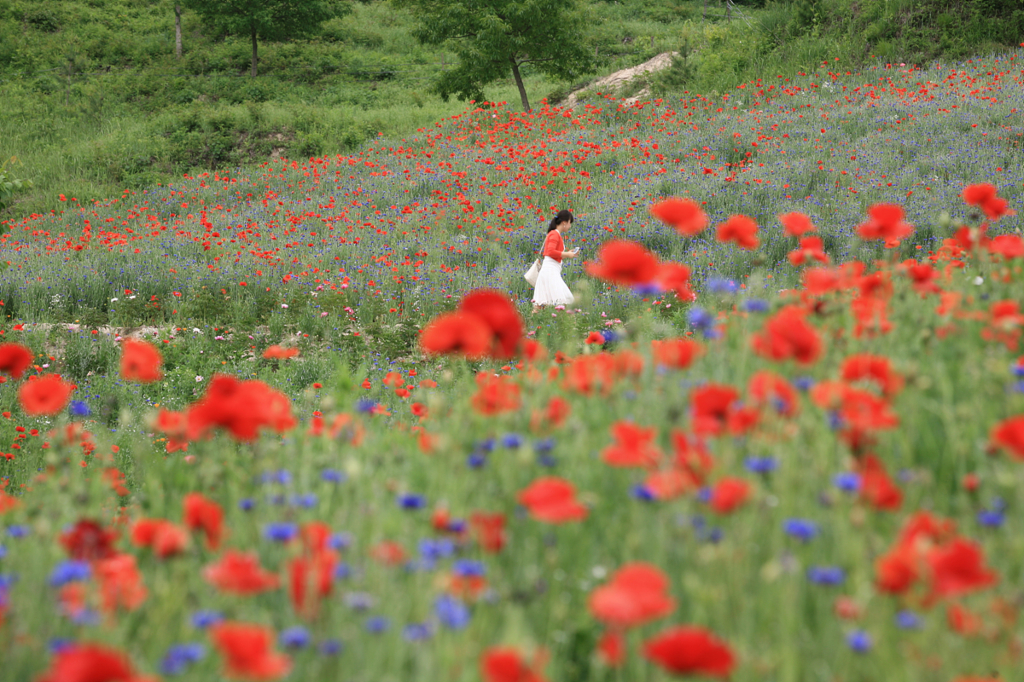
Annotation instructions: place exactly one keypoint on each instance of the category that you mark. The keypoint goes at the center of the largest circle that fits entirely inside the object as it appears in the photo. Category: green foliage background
(95, 102)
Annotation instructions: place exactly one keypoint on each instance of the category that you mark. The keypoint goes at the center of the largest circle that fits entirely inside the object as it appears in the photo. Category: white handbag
(531, 274)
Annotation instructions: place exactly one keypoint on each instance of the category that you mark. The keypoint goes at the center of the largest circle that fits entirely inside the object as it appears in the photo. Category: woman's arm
(571, 254)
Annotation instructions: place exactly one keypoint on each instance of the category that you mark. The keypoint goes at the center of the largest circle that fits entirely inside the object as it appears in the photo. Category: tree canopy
(266, 19)
(492, 38)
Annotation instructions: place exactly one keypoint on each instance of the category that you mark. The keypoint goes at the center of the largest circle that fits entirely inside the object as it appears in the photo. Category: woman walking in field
(550, 289)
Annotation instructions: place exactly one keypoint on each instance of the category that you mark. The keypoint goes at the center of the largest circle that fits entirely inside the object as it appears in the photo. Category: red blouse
(554, 246)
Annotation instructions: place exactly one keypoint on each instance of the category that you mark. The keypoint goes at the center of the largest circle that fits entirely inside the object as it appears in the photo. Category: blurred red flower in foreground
(14, 359)
(247, 652)
(240, 573)
(140, 361)
(503, 664)
(685, 215)
(624, 262)
(552, 500)
(241, 407)
(885, 222)
(636, 594)
(787, 335)
(690, 650)
(984, 196)
(46, 395)
(85, 662)
(457, 334)
(486, 324)
(205, 515)
(500, 316)
(796, 224)
(279, 353)
(87, 540)
(740, 229)
(1009, 434)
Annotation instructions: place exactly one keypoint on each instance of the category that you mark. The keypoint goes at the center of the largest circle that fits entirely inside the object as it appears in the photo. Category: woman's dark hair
(559, 218)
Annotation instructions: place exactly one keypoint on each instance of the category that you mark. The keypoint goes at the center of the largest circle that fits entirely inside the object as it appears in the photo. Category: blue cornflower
(79, 409)
(343, 571)
(17, 531)
(411, 501)
(180, 656)
(609, 335)
(847, 481)
(330, 647)
(246, 504)
(803, 383)
(485, 445)
(642, 493)
(69, 571)
(307, 501)
(417, 632)
(456, 526)
(440, 548)
(826, 575)
(546, 460)
(451, 612)
(3, 551)
(365, 405)
(469, 568)
(801, 529)
(476, 460)
(761, 465)
(543, 446)
(859, 641)
(359, 601)
(754, 305)
(332, 476)
(703, 495)
(702, 321)
(835, 420)
(296, 637)
(280, 531)
(993, 518)
(720, 285)
(282, 476)
(512, 440)
(1018, 369)
(908, 620)
(340, 541)
(59, 644)
(205, 619)
(377, 624)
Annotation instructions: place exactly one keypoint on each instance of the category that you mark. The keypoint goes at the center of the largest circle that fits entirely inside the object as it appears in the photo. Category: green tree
(266, 19)
(493, 37)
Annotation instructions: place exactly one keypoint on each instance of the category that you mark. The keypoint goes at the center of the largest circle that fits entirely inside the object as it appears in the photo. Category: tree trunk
(519, 84)
(177, 30)
(253, 49)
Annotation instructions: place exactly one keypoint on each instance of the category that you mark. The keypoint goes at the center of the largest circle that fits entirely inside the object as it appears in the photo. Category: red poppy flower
(675, 277)
(14, 359)
(624, 262)
(1007, 245)
(691, 456)
(1005, 322)
(500, 664)
(276, 352)
(86, 662)
(163, 537)
(922, 276)
(457, 333)
(876, 488)
(685, 215)
(984, 196)
(676, 353)
(636, 594)
(690, 650)
(897, 570)
(885, 222)
(495, 394)
(140, 361)
(388, 552)
(595, 337)
(796, 224)
(240, 573)
(632, 446)
(958, 568)
(247, 651)
(787, 335)
(810, 249)
(1009, 435)
(205, 515)
(498, 312)
(489, 530)
(89, 541)
(120, 583)
(552, 500)
(728, 495)
(611, 648)
(46, 394)
(874, 368)
(241, 407)
(767, 387)
(740, 229)
(311, 578)
(711, 405)
(963, 621)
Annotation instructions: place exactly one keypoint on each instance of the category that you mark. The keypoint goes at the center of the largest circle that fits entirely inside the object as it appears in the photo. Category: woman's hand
(571, 254)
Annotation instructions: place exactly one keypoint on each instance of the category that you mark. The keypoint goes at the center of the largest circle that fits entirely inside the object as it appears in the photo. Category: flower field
(301, 421)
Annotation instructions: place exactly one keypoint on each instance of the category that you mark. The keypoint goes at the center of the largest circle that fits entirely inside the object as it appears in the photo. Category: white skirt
(550, 289)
